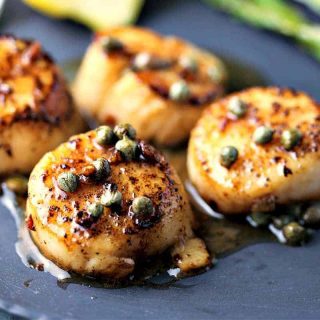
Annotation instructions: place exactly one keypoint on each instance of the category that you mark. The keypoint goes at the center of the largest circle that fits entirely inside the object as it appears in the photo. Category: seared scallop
(159, 84)
(256, 149)
(103, 201)
(36, 111)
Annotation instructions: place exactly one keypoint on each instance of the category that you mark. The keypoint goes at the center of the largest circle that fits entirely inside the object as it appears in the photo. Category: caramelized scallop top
(263, 171)
(30, 83)
(165, 66)
(148, 175)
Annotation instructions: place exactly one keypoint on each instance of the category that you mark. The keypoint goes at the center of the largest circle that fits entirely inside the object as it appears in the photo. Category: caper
(215, 73)
(228, 156)
(259, 219)
(104, 135)
(111, 198)
(17, 184)
(294, 233)
(290, 138)
(68, 181)
(179, 91)
(95, 210)
(142, 206)
(102, 167)
(280, 221)
(262, 135)
(237, 107)
(311, 218)
(110, 44)
(142, 61)
(128, 148)
(188, 63)
(125, 129)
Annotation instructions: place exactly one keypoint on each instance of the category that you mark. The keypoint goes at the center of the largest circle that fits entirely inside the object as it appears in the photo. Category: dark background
(263, 281)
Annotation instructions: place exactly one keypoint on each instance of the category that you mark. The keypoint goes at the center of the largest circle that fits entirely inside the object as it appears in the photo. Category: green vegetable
(237, 107)
(311, 218)
(95, 210)
(262, 135)
(276, 15)
(111, 197)
(294, 233)
(104, 135)
(228, 156)
(127, 147)
(68, 182)
(179, 91)
(142, 206)
(102, 167)
(290, 138)
(124, 129)
(259, 219)
(280, 221)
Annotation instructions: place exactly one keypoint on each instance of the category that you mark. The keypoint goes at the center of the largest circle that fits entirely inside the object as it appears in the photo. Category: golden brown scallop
(256, 149)
(98, 205)
(159, 84)
(36, 111)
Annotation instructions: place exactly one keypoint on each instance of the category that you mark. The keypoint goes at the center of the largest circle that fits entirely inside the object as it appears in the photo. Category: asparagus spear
(275, 15)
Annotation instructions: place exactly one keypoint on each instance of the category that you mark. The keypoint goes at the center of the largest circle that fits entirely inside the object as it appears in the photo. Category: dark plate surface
(263, 281)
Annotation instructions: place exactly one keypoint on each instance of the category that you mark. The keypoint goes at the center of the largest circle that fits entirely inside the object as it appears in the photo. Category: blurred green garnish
(278, 16)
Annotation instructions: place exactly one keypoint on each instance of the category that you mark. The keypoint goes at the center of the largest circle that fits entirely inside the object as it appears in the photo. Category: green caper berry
(104, 135)
(262, 135)
(311, 218)
(188, 63)
(128, 148)
(125, 129)
(259, 219)
(102, 167)
(237, 107)
(142, 61)
(142, 206)
(228, 156)
(294, 233)
(95, 210)
(280, 221)
(68, 181)
(215, 73)
(179, 91)
(17, 184)
(110, 44)
(110, 198)
(290, 138)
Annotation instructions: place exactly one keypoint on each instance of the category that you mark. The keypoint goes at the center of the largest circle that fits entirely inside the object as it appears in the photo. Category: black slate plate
(263, 281)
